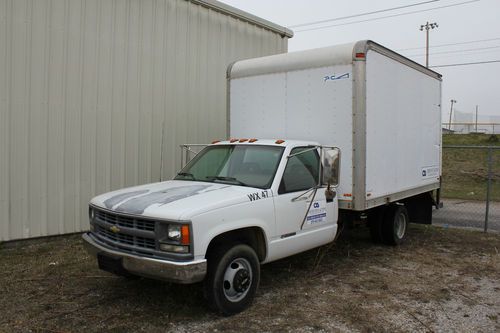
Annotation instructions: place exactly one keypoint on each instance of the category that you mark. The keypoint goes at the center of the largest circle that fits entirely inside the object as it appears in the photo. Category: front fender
(211, 224)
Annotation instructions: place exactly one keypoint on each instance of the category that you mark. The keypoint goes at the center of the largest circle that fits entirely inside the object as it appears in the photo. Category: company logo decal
(336, 77)
(430, 172)
(317, 214)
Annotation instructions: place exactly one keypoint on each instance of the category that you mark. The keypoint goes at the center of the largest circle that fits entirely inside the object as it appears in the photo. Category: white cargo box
(382, 109)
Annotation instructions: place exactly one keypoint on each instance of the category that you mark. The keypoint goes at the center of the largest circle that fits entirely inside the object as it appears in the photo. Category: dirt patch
(439, 280)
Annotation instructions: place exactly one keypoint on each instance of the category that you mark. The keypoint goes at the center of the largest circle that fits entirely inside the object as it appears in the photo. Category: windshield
(243, 165)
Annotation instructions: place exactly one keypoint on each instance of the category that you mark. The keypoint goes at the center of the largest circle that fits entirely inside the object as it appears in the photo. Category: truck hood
(174, 199)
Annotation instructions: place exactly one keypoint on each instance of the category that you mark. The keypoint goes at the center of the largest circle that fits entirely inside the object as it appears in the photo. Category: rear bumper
(179, 272)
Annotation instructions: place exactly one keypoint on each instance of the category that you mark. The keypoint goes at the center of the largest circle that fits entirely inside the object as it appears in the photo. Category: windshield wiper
(227, 179)
(186, 174)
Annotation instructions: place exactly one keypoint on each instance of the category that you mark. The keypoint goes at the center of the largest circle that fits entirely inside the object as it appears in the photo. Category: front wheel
(232, 279)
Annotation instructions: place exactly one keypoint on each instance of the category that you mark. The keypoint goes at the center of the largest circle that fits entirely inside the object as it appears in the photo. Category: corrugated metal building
(94, 93)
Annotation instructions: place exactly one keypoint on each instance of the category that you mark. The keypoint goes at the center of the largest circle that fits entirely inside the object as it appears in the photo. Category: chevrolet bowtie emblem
(114, 229)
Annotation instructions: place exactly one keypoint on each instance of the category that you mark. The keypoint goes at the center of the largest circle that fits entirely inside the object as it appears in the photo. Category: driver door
(300, 206)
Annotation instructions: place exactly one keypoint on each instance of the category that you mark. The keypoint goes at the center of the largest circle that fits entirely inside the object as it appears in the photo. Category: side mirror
(330, 162)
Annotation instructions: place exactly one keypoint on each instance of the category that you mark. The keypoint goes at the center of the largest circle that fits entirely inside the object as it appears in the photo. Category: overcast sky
(472, 25)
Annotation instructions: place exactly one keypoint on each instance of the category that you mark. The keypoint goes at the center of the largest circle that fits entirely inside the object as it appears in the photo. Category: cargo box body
(381, 109)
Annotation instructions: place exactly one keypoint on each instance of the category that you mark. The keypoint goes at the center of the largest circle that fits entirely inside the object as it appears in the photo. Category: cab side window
(301, 171)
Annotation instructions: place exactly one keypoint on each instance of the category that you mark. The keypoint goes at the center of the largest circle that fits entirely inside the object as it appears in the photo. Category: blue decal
(334, 77)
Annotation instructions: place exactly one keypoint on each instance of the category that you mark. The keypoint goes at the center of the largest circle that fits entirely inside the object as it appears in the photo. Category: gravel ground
(439, 280)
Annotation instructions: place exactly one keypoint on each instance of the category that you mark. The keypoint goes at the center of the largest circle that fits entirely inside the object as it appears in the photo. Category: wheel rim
(401, 226)
(237, 279)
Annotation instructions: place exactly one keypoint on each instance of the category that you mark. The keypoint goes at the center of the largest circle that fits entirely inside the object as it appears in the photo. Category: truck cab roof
(267, 142)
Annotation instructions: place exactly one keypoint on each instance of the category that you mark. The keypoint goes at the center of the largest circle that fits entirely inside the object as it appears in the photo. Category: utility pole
(451, 112)
(476, 117)
(428, 26)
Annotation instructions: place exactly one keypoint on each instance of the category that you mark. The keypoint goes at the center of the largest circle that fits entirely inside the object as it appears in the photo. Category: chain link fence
(470, 189)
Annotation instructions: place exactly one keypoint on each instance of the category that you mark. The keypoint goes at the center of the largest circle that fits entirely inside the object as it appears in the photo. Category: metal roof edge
(363, 46)
(244, 16)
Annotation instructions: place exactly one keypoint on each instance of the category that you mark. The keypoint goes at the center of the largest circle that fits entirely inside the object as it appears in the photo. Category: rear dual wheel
(389, 224)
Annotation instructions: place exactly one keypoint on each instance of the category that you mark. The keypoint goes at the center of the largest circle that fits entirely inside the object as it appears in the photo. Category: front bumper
(179, 272)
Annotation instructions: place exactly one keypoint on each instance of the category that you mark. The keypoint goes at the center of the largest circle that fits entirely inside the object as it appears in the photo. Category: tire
(232, 278)
(395, 224)
(375, 222)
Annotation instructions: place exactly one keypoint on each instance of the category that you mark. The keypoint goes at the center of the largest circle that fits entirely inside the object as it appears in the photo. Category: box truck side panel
(403, 134)
(309, 104)
(258, 106)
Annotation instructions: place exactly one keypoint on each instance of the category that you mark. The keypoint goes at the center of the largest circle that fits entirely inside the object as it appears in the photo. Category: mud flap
(420, 208)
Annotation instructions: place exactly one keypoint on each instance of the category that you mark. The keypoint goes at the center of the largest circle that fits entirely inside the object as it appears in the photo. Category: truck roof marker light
(185, 235)
(347, 195)
(278, 142)
(215, 141)
(360, 55)
(243, 140)
(252, 140)
(233, 140)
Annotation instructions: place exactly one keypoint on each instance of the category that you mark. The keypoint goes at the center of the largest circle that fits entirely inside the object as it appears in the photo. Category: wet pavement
(467, 214)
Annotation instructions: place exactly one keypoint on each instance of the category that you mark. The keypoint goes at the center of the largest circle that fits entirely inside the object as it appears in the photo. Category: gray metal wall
(87, 87)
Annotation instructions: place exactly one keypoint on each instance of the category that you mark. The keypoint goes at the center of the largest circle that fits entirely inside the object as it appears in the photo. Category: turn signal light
(185, 235)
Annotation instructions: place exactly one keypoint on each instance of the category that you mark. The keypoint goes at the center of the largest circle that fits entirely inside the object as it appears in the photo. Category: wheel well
(252, 236)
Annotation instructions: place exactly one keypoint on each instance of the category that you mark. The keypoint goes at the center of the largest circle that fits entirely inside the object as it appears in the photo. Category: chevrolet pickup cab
(234, 206)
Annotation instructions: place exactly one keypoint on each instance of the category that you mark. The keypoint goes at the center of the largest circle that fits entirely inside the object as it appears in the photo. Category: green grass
(465, 171)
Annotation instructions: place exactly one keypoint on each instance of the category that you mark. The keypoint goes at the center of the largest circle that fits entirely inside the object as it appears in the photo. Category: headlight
(174, 237)
(174, 232)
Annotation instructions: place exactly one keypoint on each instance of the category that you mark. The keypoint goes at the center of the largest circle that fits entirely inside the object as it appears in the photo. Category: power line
(361, 14)
(450, 44)
(457, 51)
(387, 16)
(466, 63)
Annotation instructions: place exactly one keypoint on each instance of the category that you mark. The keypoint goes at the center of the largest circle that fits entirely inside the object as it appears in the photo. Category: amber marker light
(243, 140)
(185, 235)
(252, 140)
(278, 142)
(233, 140)
(215, 141)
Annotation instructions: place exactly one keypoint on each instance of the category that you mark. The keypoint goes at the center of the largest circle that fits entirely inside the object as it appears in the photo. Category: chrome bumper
(179, 272)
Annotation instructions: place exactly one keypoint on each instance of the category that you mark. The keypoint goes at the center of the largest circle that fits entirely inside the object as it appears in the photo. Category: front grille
(125, 221)
(133, 234)
(124, 239)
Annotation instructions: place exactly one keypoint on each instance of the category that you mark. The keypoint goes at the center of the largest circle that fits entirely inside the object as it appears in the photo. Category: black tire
(375, 222)
(395, 225)
(232, 278)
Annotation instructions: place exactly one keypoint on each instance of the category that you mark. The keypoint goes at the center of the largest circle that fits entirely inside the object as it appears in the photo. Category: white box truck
(318, 138)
